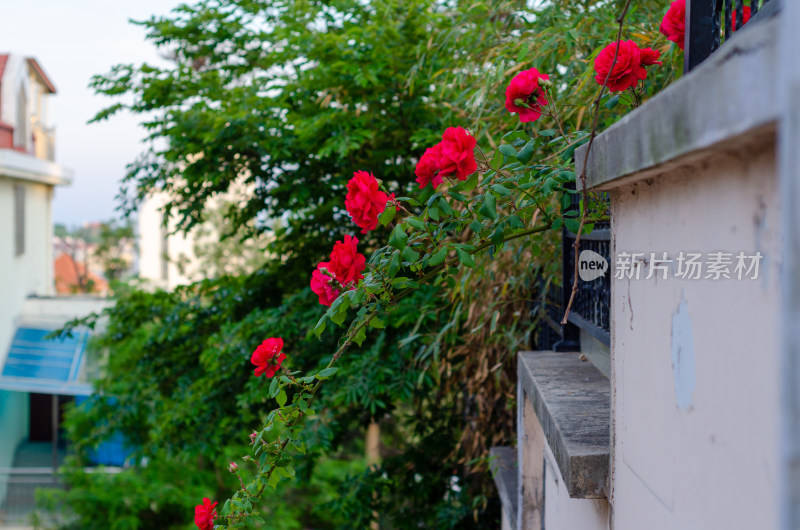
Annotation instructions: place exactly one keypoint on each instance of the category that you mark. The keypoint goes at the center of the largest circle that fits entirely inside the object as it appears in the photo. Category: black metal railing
(709, 23)
(591, 309)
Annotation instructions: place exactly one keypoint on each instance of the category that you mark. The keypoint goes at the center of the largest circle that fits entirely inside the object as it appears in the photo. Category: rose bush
(481, 206)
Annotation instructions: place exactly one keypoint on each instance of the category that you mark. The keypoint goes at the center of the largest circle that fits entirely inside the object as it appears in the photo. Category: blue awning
(45, 366)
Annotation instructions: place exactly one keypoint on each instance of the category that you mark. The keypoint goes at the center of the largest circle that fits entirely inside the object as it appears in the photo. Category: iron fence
(591, 309)
(710, 23)
(18, 490)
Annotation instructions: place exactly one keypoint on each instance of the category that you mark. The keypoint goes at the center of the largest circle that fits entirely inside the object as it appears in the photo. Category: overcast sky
(73, 40)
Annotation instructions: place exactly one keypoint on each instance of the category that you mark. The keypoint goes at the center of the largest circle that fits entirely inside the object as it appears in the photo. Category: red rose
(268, 357)
(457, 153)
(629, 68)
(673, 26)
(204, 514)
(365, 201)
(322, 285)
(746, 17)
(428, 167)
(524, 88)
(346, 263)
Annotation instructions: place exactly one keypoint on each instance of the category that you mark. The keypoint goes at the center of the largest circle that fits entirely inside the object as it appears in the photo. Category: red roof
(3, 61)
(66, 276)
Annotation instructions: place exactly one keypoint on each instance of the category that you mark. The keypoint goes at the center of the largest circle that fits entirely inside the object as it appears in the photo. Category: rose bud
(233, 468)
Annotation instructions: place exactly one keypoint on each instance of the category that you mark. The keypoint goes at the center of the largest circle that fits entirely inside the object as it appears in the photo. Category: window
(19, 219)
(21, 129)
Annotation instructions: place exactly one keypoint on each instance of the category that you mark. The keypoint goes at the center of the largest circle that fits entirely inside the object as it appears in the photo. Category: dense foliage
(277, 105)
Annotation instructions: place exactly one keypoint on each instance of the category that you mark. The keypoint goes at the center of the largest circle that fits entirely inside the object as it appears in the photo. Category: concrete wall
(695, 363)
(561, 511)
(544, 500)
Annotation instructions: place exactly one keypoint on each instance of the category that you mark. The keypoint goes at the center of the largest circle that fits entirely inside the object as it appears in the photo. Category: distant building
(166, 259)
(169, 257)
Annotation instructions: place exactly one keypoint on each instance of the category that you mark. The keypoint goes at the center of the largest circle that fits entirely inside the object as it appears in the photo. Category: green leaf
(612, 102)
(526, 153)
(476, 227)
(548, 186)
(465, 258)
(339, 316)
(457, 196)
(327, 372)
(377, 323)
(444, 207)
(508, 150)
(433, 212)
(398, 239)
(387, 215)
(273, 387)
(515, 222)
(514, 135)
(438, 257)
(281, 399)
(416, 223)
(361, 335)
(489, 207)
(501, 190)
(548, 132)
(469, 184)
(394, 264)
(495, 317)
(497, 161)
(410, 255)
(573, 225)
(320, 327)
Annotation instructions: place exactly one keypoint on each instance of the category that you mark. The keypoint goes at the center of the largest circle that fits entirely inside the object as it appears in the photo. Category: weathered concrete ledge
(572, 401)
(727, 98)
(503, 463)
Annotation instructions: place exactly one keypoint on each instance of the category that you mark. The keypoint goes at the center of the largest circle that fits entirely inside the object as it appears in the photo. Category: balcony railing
(18, 486)
(590, 310)
(710, 23)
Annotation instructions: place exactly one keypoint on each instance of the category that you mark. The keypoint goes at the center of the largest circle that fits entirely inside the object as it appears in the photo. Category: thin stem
(584, 191)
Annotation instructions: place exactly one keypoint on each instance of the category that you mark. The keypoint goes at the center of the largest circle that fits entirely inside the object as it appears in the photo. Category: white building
(35, 373)
(169, 258)
(166, 259)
